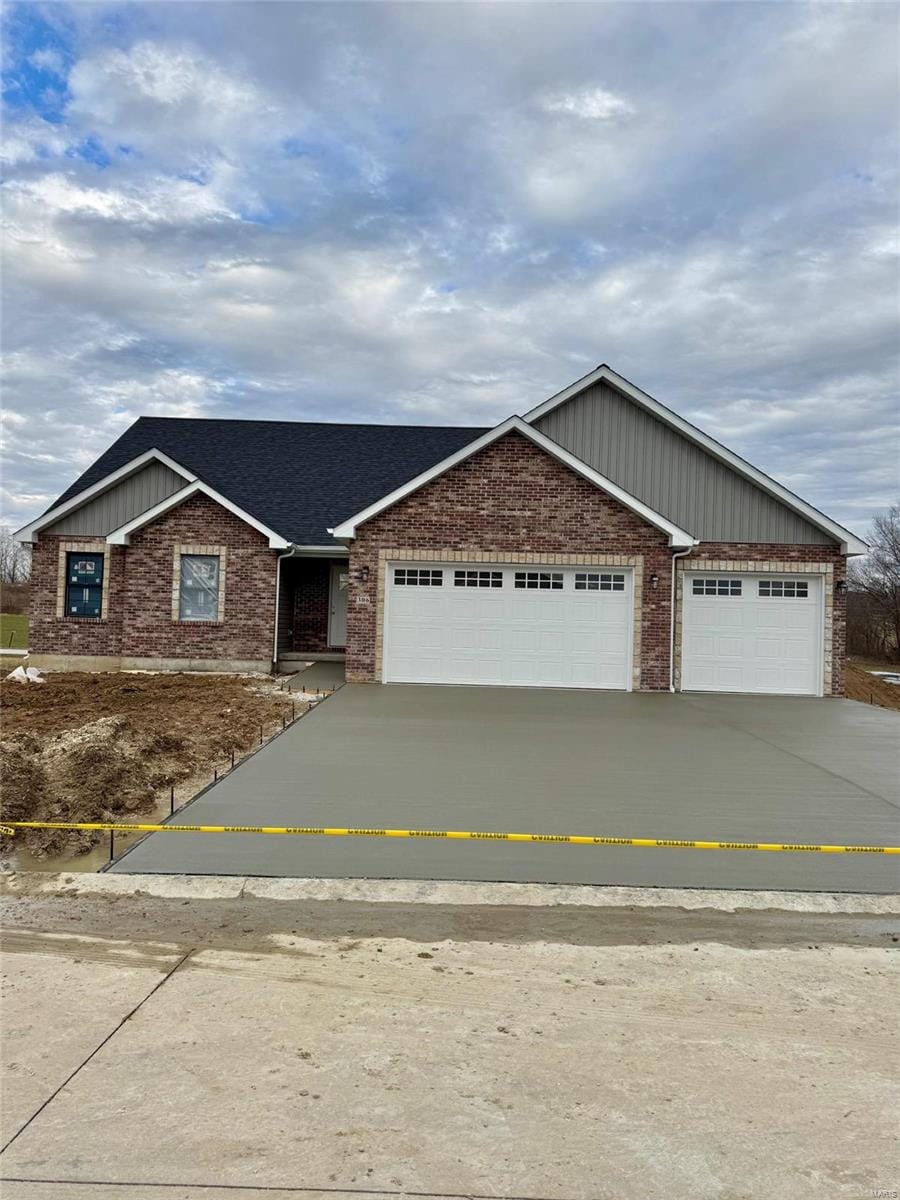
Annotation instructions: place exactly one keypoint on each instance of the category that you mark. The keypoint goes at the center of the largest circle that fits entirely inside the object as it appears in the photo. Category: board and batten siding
(125, 500)
(670, 473)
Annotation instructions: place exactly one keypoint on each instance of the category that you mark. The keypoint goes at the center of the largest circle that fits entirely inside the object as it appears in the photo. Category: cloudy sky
(442, 213)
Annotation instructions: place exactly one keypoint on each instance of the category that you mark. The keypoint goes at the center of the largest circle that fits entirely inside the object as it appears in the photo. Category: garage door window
(478, 579)
(418, 577)
(784, 589)
(542, 580)
(598, 581)
(717, 587)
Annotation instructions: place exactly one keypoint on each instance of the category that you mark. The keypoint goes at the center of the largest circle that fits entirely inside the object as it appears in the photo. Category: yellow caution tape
(454, 834)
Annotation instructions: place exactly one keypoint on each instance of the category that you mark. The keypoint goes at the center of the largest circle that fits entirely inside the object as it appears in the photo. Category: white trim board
(677, 536)
(850, 543)
(122, 535)
(27, 532)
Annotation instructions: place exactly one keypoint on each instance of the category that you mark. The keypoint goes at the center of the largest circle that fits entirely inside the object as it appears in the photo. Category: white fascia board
(850, 543)
(677, 536)
(122, 535)
(27, 532)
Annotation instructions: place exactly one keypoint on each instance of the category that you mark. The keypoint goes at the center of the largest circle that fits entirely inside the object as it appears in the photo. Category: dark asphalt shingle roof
(299, 478)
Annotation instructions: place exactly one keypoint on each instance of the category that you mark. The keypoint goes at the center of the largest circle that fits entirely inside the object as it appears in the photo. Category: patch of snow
(887, 676)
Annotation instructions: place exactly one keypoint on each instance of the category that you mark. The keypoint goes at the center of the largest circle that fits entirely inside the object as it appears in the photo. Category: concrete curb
(410, 891)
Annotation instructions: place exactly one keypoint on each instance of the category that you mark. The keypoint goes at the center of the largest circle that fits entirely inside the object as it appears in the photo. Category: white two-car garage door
(519, 626)
(752, 633)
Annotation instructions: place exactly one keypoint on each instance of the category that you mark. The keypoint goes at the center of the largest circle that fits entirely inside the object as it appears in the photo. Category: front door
(337, 605)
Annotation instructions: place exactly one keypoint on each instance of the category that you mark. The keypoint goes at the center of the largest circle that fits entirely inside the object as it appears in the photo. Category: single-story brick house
(599, 541)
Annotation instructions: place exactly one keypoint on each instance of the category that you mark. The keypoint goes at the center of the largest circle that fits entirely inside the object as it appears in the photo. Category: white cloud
(589, 104)
(169, 100)
(28, 140)
(48, 60)
(379, 212)
(33, 204)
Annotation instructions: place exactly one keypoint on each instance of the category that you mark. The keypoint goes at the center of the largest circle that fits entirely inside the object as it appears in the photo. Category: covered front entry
(515, 625)
(752, 633)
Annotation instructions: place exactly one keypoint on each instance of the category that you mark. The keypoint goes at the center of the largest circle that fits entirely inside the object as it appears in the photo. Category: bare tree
(15, 559)
(877, 577)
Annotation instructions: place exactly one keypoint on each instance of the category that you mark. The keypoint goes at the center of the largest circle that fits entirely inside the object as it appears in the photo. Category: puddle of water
(21, 858)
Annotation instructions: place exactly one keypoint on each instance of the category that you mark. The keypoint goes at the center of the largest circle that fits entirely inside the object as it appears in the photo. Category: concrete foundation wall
(109, 662)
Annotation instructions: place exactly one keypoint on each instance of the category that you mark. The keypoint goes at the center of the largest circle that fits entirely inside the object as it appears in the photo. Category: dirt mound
(861, 684)
(107, 747)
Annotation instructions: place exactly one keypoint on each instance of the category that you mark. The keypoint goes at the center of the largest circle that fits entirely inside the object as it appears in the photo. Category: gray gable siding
(671, 474)
(125, 500)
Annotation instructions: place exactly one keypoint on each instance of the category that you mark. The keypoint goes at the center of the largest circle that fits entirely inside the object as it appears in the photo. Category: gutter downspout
(672, 605)
(289, 553)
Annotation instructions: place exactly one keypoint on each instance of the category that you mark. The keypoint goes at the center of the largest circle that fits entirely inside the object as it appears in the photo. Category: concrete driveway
(720, 768)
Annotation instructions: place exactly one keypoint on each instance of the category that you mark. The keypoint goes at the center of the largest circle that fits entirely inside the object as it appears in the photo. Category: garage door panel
(516, 636)
(742, 640)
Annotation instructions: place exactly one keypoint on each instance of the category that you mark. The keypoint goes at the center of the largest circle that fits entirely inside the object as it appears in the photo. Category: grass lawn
(14, 631)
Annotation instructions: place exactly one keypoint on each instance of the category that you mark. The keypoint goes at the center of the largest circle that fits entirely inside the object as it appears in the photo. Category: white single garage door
(519, 626)
(752, 633)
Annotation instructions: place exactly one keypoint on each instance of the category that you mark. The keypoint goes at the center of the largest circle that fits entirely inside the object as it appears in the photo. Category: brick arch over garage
(509, 502)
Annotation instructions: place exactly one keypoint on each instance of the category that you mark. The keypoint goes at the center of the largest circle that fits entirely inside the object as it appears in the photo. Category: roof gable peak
(850, 543)
(346, 530)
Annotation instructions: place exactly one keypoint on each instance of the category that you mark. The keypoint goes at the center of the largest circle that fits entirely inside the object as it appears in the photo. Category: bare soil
(101, 747)
(869, 689)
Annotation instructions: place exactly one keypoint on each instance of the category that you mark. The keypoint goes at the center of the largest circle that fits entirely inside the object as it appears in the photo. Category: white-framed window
(198, 597)
(716, 587)
(784, 589)
(543, 580)
(478, 579)
(599, 581)
(418, 577)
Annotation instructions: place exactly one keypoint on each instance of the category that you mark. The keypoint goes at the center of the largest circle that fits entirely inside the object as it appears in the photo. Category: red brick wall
(138, 621)
(511, 497)
(755, 551)
(49, 634)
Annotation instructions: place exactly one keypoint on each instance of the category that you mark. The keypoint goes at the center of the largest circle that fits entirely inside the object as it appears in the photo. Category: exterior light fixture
(840, 587)
(654, 582)
(364, 575)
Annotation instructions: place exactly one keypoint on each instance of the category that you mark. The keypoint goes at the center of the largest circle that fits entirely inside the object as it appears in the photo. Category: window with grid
(418, 577)
(542, 580)
(478, 579)
(716, 587)
(84, 585)
(598, 581)
(784, 589)
(198, 598)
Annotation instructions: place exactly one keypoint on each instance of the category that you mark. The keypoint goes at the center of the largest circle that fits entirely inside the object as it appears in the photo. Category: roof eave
(27, 532)
(122, 535)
